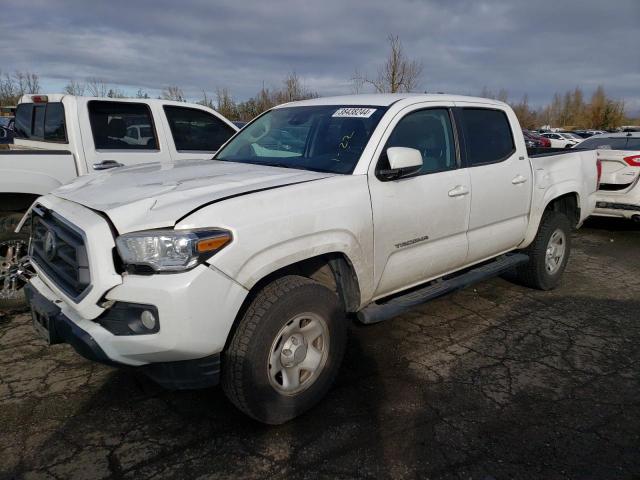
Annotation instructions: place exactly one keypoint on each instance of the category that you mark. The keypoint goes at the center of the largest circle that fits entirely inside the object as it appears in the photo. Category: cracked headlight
(170, 250)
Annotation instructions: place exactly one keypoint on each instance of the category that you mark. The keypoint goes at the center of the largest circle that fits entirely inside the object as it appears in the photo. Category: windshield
(612, 143)
(320, 138)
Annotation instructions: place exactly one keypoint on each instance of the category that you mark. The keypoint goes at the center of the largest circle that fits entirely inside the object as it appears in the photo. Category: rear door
(501, 179)
(420, 223)
(106, 140)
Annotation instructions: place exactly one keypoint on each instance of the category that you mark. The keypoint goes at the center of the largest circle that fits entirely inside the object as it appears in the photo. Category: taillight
(39, 98)
(633, 160)
(599, 168)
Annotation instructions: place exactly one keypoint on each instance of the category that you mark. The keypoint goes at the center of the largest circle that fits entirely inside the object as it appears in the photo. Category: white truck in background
(245, 269)
(60, 137)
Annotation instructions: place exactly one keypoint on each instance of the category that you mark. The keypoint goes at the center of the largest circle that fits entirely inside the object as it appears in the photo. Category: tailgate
(617, 174)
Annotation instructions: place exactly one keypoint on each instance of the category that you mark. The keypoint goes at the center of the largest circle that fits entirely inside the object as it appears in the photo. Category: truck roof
(386, 99)
(57, 97)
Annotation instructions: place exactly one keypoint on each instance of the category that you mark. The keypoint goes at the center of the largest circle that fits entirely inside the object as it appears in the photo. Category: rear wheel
(548, 253)
(286, 351)
(14, 267)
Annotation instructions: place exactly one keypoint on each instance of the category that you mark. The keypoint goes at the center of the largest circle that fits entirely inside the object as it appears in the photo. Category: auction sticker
(355, 112)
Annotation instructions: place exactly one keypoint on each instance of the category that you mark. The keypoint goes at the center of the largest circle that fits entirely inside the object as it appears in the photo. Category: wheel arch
(559, 199)
(334, 270)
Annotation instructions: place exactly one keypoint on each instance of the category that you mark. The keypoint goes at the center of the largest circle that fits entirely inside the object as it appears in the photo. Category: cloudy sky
(535, 47)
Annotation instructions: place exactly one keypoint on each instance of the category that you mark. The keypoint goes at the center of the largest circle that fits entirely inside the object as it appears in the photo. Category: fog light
(148, 320)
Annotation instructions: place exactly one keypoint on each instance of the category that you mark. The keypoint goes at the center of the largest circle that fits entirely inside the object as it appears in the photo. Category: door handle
(518, 179)
(106, 165)
(459, 191)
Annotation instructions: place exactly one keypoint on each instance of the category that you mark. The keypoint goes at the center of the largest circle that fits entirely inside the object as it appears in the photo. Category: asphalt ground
(493, 382)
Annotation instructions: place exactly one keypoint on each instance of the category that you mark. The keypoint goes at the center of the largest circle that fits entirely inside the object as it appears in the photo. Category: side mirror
(403, 162)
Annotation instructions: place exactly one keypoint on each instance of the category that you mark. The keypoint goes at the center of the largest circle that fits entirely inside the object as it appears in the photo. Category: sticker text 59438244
(357, 112)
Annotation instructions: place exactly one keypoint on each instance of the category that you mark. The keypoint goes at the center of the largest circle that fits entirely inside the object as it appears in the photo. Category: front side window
(487, 135)
(111, 121)
(196, 130)
(430, 132)
(325, 138)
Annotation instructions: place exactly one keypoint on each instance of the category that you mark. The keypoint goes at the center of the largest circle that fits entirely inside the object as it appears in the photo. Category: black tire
(245, 363)
(534, 274)
(8, 223)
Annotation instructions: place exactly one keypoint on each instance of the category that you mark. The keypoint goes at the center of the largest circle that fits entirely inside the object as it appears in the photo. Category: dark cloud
(529, 47)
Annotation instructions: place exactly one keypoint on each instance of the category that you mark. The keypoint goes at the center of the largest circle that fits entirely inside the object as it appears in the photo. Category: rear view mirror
(403, 162)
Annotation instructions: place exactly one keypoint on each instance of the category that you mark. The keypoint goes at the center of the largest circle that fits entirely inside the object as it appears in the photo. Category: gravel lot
(489, 383)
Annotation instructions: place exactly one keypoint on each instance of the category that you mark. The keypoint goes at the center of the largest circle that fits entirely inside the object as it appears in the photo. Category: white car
(138, 135)
(562, 139)
(245, 269)
(619, 191)
(59, 137)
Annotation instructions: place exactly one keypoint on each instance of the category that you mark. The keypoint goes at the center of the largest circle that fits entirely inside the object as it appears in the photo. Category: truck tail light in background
(39, 98)
(633, 160)
(599, 168)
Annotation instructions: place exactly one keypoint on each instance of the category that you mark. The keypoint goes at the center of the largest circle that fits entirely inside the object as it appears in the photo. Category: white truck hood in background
(156, 195)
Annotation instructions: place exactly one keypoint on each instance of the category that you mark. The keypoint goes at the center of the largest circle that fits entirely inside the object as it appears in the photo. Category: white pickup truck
(59, 137)
(244, 269)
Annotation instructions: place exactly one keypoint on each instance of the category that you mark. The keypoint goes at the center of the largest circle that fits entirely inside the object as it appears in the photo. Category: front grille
(58, 248)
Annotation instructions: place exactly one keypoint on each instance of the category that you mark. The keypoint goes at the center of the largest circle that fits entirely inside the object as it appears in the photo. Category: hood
(156, 195)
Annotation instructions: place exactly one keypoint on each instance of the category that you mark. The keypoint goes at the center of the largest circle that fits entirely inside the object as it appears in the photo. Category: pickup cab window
(321, 138)
(487, 135)
(42, 122)
(111, 123)
(196, 130)
(430, 132)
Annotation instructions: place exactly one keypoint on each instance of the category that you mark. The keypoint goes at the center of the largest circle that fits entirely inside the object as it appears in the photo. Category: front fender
(274, 257)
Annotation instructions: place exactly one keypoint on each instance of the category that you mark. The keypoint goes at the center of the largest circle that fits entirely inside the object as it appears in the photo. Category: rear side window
(487, 135)
(41, 122)
(196, 130)
(111, 123)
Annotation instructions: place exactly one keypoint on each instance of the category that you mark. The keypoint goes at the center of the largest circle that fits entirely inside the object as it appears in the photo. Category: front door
(420, 223)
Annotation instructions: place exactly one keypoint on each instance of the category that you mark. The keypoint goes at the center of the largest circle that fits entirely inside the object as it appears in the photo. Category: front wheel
(548, 253)
(14, 266)
(286, 350)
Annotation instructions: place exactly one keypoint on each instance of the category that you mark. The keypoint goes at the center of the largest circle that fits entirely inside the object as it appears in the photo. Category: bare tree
(141, 94)
(97, 87)
(27, 82)
(8, 90)
(397, 74)
(75, 88)
(173, 92)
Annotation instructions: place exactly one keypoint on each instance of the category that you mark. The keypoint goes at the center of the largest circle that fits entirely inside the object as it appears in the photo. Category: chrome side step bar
(377, 312)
